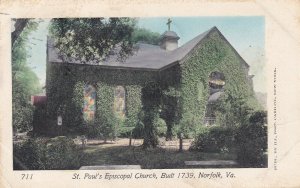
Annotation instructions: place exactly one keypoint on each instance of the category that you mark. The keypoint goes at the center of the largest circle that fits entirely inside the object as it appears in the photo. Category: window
(89, 106)
(216, 89)
(119, 101)
(216, 80)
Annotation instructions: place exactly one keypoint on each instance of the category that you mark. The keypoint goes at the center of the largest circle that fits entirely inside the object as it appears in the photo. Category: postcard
(149, 93)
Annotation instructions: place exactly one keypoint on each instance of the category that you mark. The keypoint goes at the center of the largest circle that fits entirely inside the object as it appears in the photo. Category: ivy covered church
(163, 81)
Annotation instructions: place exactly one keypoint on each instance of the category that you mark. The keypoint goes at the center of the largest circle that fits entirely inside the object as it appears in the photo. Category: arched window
(89, 106)
(216, 80)
(216, 88)
(119, 101)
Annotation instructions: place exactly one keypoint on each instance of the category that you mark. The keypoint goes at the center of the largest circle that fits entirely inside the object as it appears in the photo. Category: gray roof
(147, 56)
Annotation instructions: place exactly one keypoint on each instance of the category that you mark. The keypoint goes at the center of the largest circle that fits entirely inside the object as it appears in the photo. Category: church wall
(213, 54)
(65, 83)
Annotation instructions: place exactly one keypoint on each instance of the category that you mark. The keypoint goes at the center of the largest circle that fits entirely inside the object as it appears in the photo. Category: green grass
(154, 158)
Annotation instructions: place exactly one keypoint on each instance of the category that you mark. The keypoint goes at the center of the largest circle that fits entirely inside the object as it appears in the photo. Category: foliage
(125, 132)
(19, 25)
(145, 36)
(24, 81)
(107, 126)
(187, 126)
(161, 127)
(92, 39)
(22, 116)
(151, 158)
(252, 141)
(214, 139)
(29, 156)
(151, 99)
(56, 153)
(104, 128)
(214, 54)
(62, 153)
(138, 131)
(232, 111)
(171, 94)
(179, 92)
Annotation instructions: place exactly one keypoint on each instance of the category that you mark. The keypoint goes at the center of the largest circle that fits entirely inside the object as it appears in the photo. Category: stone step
(110, 167)
(211, 163)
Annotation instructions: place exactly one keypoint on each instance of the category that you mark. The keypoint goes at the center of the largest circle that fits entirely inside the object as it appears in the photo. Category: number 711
(27, 176)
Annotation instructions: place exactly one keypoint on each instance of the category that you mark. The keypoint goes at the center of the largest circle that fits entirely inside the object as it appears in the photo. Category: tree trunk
(20, 24)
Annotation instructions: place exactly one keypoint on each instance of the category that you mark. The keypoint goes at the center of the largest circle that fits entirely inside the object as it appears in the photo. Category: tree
(252, 142)
(20, 24)
(151, 99)
(146, 36)
(24, 81)
(92, 40)
(232, 110)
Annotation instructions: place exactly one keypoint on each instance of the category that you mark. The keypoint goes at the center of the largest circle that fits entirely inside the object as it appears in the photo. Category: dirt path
(172, 145)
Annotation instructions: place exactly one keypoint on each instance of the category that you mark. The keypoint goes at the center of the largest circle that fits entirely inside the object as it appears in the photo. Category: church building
(166, 81)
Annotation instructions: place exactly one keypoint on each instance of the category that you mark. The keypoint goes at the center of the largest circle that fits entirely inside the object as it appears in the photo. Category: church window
(119, 101)
(216, 80)
(216, 89)
(89, 106)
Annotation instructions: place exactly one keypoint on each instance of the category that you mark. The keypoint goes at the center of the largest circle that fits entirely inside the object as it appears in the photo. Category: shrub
(39, 154)
(138, 131)
(107, 126)
(251, 140)
(62, 153)
(125, 132)
(29, 155)
(214, 139)
(22, 117)
(186, 126)
(161, 127)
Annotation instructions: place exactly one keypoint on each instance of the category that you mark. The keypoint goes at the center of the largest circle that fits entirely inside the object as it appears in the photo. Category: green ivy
(183, 88)
(213, 54)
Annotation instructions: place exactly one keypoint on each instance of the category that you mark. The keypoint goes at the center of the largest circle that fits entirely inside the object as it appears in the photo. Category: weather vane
(169, 24)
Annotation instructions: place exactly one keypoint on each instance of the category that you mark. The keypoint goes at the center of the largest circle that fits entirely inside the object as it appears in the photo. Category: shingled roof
(146, 57)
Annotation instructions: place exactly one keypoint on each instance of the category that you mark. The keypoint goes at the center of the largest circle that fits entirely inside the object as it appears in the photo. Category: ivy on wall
(65, 89)
(133, 104)
(213, 54)
(183, 88)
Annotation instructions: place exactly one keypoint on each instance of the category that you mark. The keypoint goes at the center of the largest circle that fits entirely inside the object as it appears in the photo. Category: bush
(56, 153)
(91, 130)
(125, 132)
(186, 126)
(251, 140)
(105, 127)
(29, 155)
(108, 125)
(22, 117)
(138, 131)
(214, 139)
(161, 127)
(62, 153)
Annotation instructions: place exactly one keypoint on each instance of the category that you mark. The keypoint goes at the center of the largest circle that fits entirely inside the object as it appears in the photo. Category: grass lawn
(154, 158)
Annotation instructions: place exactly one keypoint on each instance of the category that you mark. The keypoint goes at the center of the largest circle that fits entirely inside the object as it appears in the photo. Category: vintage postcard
(149, 93)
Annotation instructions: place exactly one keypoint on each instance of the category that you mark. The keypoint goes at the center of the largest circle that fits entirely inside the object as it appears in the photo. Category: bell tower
(169, 39)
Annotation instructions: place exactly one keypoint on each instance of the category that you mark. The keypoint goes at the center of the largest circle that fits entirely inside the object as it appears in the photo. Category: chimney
(169, 40)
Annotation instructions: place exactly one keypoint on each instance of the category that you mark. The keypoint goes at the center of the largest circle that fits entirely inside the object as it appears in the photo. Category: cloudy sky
(246, 35)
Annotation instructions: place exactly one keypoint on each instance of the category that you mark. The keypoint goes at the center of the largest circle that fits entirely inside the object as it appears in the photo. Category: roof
(169, 34)
(146, 57)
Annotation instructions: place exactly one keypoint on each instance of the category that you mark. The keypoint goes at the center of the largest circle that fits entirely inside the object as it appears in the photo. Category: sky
(245, 34)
